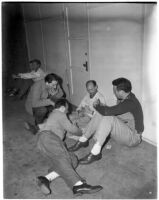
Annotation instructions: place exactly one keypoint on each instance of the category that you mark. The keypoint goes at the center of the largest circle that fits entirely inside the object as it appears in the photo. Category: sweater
(58, 123)
(130, 104)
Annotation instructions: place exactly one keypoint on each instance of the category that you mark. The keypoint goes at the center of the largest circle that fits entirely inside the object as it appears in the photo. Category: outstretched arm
(119, 109)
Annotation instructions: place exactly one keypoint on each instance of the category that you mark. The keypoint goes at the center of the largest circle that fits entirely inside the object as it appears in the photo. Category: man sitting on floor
(41, 99)
(85, 111)
(51, 145)
(124, 122)
(23, 81)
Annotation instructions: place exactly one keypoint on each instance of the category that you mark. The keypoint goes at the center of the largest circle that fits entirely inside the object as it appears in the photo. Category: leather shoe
(90, 158)
(78, 145)
(44, 184)
(30, 127)
(86, 189)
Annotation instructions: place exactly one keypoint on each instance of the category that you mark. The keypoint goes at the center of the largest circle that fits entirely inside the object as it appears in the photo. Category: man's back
(58, 123)
(37, 91)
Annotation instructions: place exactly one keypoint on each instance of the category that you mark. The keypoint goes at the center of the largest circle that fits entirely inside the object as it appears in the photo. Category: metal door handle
(85, 65)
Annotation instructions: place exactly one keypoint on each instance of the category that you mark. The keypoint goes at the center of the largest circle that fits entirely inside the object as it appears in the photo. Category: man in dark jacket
(124, 122)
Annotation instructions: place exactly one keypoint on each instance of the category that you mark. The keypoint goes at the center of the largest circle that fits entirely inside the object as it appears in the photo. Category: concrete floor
(124, 173)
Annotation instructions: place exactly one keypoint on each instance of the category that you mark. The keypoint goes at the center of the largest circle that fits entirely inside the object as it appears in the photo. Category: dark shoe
(86, 189)
(14, 92)
(44, 185)
(78, 145)
(32, 128)
(89, 159)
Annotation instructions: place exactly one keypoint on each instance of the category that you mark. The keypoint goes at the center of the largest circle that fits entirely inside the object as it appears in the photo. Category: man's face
(91, 89)
(53, 84)
(64, 109)
(34, 66)
(117, 93)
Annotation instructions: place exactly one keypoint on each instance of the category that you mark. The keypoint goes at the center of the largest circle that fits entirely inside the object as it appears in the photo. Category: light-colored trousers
(81, 121)
(101, 126)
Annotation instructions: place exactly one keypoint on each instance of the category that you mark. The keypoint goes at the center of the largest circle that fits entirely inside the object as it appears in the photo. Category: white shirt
(36, 76)
(88, 102)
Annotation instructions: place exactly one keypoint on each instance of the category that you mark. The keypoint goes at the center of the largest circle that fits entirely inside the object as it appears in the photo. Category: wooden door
(77, 37)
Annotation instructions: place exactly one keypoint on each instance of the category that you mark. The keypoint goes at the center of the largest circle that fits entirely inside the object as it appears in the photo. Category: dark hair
(122, 84)
(36, 61)
(91, 81)
(50, 77)
(61, 102)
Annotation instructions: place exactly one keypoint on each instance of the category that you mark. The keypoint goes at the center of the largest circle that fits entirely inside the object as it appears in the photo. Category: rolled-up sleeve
(29, 75)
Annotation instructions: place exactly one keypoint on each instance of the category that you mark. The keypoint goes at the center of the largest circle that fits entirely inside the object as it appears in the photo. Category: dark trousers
(62, 162)
(41, 113)
(23, 86)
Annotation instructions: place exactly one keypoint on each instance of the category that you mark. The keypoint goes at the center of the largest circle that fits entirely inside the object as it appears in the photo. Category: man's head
(121, 88)
(91, 87)
(51, 81)
(35, 64)
(62, 105)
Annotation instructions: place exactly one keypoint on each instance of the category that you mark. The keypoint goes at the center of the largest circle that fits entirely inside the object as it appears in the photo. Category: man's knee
(129, 139)
(40, 114)
(107, 120)
(136, 140)
(40, 110)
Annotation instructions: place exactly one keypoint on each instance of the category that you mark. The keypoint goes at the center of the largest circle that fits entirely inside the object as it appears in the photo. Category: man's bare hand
(96, 102)
(88, 110)
(15, 76)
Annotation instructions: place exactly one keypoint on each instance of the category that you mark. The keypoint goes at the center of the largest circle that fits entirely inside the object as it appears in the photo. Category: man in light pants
(124, 122)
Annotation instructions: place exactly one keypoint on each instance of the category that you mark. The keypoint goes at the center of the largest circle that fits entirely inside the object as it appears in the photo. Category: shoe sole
(29, 128)
(88, 191)
(84, 146)
(43, 188)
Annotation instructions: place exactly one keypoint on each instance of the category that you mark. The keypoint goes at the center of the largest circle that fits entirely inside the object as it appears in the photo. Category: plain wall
(123, 45)
(149, 72)
(115, 47)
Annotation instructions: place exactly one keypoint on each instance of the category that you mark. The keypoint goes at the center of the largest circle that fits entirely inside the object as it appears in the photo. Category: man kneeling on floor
(124, 122)
(50, 143)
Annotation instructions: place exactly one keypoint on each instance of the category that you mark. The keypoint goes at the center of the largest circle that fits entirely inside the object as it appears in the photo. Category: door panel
(77, 29)
(79, 89)
(79, 72)
(78, 52)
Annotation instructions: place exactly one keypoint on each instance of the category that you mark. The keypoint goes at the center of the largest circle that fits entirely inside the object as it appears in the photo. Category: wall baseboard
(149, 141)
